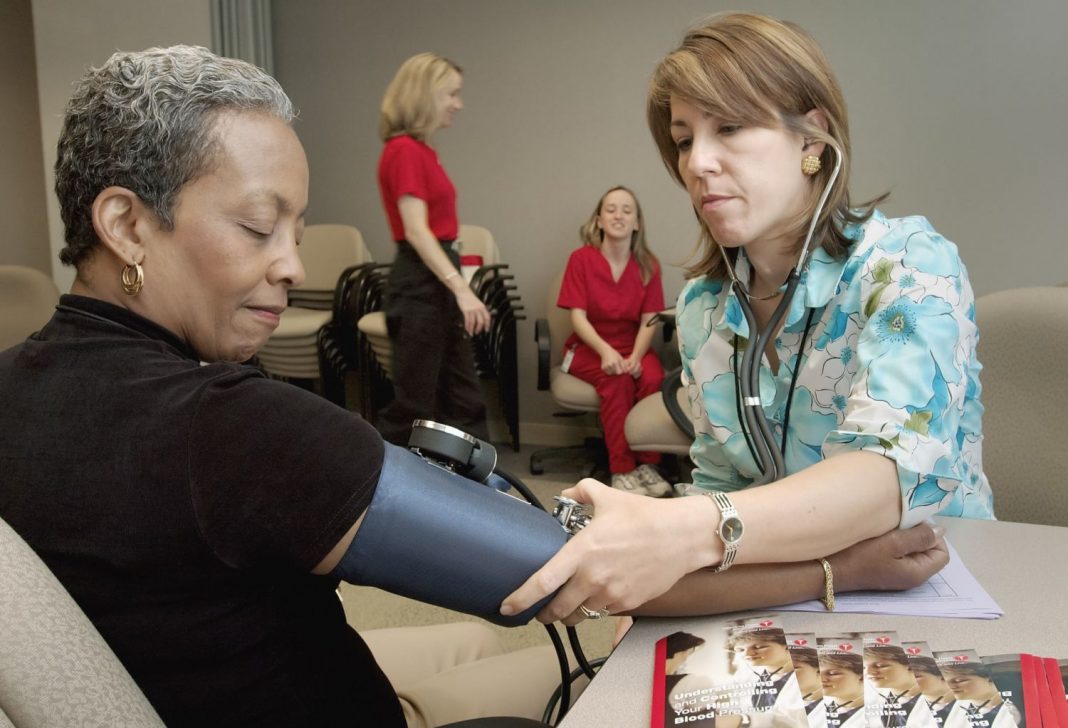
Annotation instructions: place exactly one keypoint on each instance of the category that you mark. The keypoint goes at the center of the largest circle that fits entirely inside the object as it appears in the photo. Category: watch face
(731, 530)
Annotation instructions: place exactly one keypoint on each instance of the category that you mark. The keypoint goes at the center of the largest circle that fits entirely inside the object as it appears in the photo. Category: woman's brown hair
(759, 71)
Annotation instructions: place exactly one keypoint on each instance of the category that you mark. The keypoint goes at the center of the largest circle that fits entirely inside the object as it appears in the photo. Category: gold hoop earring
(133, 279)
(810, 164)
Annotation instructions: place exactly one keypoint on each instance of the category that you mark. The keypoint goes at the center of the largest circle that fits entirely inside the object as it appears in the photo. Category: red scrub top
(411, 167)
(614, 308)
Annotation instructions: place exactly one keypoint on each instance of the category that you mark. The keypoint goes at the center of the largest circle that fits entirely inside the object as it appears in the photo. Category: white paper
(952, 592)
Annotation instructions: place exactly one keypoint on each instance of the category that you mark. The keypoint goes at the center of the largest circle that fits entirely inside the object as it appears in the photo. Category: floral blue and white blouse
(889, 366)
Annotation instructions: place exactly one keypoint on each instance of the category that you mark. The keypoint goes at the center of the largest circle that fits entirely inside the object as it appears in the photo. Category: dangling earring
(810, 164)
(133, 279)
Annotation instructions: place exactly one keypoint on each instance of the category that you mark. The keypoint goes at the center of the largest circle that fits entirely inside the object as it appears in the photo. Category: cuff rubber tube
(441, 538)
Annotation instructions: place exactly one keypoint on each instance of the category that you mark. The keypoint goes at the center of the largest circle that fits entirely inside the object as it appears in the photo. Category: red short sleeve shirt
(614, 308)
(411, 167)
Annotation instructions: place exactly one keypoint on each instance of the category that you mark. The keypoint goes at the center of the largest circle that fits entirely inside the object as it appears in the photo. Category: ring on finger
(591, 614)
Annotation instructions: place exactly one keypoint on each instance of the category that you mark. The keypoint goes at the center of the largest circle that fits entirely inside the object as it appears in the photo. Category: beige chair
(55, 668)
(650, 427)
(1023, 343)
(326, 250)
(574, 395)
(27, 299)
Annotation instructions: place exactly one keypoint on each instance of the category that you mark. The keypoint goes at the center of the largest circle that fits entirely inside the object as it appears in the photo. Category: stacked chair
(292, 352)
(344, 350)
(495, 350)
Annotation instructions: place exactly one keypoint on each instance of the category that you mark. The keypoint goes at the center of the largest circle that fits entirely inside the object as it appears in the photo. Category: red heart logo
(913, 650)
(883, 640)
(845, 647)
(960, 658)
(767, 623)
(801, 642)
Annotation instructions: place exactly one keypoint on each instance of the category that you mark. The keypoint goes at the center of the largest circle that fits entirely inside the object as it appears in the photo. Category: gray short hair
(145, 121)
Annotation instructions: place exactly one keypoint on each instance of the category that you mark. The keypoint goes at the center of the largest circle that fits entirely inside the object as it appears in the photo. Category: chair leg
(592, 452)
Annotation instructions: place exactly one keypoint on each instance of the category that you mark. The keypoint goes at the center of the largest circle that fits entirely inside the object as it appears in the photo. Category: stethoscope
(770, 457)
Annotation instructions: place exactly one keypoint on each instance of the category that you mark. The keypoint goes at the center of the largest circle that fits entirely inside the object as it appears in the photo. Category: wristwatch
(730, 529)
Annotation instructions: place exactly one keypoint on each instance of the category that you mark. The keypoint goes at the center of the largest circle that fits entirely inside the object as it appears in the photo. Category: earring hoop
(133, 279)
(810, 164)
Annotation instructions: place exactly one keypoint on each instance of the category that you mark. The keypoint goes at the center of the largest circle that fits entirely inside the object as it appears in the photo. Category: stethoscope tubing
(770, 458)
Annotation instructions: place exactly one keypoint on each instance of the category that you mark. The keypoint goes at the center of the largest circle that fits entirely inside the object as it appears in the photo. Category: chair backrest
(55, 668)
(326, 250)
(559, 322)
(27, 299)
(1023, 343)
(477, 240)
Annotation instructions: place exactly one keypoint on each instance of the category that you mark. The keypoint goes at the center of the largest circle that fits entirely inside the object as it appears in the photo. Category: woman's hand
(896, 560)
(476, 315)
(612, 362)
(634, 549)
(634, 366)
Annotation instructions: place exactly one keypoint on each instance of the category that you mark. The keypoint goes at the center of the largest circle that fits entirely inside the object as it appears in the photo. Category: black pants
(434, 375)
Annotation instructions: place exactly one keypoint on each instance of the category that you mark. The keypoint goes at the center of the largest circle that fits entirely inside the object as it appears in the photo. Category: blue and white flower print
(889, 367)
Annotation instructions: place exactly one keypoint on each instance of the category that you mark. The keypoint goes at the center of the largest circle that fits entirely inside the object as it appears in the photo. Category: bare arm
(820, 510)
(331, 559)
(642, 342)
(895, 560)
(635, 548)
(413, 214)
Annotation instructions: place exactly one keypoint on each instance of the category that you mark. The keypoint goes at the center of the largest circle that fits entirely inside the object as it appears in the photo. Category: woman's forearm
(585, 331)
(753, 586)
(824, 508)
(644, 339)
(417, 232)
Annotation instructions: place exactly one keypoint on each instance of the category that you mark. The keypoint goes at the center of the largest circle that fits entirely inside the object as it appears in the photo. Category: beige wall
(957, 108)
(22, 194)
(72, 35)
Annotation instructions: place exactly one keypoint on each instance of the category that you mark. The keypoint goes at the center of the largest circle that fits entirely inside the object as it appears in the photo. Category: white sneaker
(654, 483)
(628, 482)
(634, 482)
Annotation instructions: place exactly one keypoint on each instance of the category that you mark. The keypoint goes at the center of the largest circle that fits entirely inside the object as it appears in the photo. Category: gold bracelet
(828, 585)
(451, 275)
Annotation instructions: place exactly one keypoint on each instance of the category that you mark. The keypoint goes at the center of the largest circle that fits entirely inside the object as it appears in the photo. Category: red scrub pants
(619, 393)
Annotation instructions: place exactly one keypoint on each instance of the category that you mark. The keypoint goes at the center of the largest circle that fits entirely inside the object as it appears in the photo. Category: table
(1023, 567)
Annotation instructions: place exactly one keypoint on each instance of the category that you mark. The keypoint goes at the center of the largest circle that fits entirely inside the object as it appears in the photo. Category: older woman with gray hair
(200, 513)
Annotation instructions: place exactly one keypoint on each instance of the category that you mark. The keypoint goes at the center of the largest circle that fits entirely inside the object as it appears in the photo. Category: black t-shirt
(184, 506)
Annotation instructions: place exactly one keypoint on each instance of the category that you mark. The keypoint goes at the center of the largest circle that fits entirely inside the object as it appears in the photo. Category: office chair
(575, 396)
(1023, 342)
(578, 397)
(292, 352)
(27, 299)
(55, 668)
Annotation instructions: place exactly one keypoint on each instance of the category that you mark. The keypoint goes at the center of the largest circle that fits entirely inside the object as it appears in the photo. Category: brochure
(740, 677)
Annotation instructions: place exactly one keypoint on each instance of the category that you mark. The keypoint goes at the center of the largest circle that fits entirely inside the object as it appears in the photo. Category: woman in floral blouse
(871, 377)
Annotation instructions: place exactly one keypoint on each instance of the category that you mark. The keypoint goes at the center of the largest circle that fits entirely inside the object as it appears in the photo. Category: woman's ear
(119, 218)
(817, 118)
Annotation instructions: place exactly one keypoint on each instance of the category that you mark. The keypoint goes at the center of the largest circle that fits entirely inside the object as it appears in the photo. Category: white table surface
(1023, 567)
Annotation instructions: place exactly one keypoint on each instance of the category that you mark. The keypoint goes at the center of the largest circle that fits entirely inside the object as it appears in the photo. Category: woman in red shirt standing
(430, 309)
(612, 286)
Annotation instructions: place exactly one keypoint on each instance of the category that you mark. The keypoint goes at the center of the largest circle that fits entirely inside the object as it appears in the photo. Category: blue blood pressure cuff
(441, 538)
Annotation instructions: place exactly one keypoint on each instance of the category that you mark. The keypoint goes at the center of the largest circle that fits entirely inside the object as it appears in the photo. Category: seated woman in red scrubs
(612, 287)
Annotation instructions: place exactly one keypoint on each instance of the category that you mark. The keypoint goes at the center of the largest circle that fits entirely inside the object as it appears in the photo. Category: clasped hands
(612, 362)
